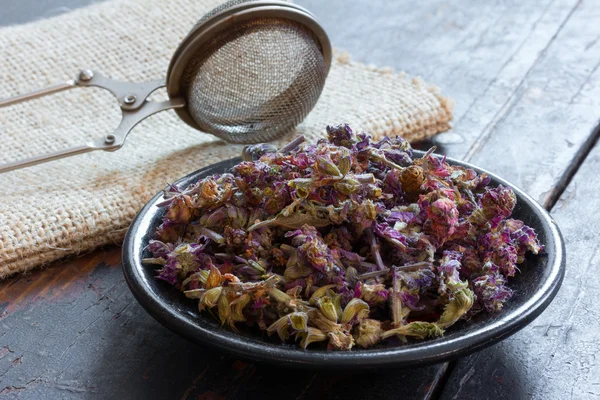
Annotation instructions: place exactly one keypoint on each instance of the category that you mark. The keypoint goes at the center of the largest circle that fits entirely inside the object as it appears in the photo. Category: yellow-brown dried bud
(411, 179)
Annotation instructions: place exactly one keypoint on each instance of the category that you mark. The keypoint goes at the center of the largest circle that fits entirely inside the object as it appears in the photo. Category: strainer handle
(132, 98)
(38, 93)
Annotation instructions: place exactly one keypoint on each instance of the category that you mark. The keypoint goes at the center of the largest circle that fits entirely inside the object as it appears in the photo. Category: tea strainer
(247, 72)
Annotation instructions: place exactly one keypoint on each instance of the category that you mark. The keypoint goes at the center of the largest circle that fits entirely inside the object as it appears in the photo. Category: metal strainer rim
(220, 21)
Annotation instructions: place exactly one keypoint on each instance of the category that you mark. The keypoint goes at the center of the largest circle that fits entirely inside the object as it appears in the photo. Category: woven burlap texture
(74, 205)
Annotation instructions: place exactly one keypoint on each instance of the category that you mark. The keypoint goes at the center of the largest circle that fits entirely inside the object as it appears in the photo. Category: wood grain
(561, 98)
(479, 53)
(549, 123)
(556, 356)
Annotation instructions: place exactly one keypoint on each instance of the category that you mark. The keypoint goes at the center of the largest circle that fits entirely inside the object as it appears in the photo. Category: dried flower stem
(374, 274)
(375, 249)
(397, 317)
(381, 158)
(407, 267)
(365, 178)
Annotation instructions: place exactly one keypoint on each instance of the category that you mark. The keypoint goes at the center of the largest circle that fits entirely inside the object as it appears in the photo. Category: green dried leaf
(326, 167)
(256, 266)
(303, 186)
(279, 296)
(211, 234)
(337, 302)
(295, 271)
(194, 294)
(347, 186)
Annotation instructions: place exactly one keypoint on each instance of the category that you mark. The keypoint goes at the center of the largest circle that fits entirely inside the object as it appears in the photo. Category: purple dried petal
(387, 232)
(159, 249)
(491, 291)
(341, 135)
(498, 202)
(169, 272)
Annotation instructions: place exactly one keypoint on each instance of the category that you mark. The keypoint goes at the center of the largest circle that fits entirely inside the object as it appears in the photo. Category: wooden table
(526, 82)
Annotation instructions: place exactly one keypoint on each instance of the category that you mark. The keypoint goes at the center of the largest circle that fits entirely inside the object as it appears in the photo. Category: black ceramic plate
(534, 287)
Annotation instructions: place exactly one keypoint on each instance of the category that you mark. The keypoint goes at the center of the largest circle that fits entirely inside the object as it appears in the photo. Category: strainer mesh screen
(256, 80)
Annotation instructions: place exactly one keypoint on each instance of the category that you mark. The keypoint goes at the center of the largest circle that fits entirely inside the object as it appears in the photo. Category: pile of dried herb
(348, 241)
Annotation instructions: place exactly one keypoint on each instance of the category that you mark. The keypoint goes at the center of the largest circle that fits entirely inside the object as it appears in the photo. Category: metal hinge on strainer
(248, 72)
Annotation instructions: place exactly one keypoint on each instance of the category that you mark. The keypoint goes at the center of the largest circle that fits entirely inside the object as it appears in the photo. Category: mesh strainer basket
(247, 72)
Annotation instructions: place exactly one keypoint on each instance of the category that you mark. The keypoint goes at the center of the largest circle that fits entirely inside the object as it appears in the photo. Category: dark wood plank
(553, 357)
(549, 122)
(556, 356)
(478, 53)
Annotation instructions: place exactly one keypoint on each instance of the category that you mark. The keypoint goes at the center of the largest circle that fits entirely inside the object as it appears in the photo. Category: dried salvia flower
(368, 333)
(456, 308)
(311, 335)
(491, 291)
(498, 202)
(340, 341)
(180, 210)
(346, 241)
(355, 310)
(320, 292)
(281, 326)
(328, 308)
(374, 293)
(209, 298)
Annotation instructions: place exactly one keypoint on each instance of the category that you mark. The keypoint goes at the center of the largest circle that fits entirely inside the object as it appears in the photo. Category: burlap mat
(74, 205)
